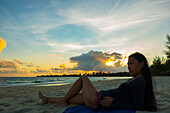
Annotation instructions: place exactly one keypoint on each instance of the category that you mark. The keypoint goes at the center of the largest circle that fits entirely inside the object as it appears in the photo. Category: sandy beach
(24, 99)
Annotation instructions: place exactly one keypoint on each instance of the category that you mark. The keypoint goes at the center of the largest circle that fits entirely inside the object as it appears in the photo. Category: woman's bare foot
(43, 98)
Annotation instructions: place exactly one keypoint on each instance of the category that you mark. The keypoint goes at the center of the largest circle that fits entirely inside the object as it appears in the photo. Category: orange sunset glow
(2, 44)
(112, 61)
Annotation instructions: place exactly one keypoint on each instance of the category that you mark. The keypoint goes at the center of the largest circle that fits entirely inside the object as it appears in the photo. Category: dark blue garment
(84, 109)
(129, 95)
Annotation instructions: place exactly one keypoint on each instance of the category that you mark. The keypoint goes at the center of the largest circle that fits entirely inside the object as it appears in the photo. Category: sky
(77, 36)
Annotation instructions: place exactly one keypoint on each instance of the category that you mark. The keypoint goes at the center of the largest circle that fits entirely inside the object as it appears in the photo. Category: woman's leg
(87, 97)
(89, 92)
(74, 90)
(77, 99)
(46, 100)
(72, 95)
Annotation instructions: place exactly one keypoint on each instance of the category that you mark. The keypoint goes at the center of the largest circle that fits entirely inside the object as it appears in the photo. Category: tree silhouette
(167, 53)
(160, 65)
(167, 45)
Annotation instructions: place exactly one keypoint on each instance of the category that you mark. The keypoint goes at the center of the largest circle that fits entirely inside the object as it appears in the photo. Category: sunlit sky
(77, 36)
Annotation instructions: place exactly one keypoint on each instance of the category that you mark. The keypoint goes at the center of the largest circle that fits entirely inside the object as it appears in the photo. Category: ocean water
(45, 81)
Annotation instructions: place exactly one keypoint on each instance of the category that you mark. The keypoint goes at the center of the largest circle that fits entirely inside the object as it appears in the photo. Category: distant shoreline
(94, 74)
(88, 76)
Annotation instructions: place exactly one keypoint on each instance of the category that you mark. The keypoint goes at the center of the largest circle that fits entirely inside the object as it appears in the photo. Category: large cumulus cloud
(96, 61)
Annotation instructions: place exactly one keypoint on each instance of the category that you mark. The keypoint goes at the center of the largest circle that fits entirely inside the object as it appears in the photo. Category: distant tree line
(94, 74)
(161, 65)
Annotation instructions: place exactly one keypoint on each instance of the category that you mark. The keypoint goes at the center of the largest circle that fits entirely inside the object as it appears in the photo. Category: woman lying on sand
(134, 94)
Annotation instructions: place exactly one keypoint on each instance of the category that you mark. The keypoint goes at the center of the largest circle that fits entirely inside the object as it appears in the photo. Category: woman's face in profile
(134, 66)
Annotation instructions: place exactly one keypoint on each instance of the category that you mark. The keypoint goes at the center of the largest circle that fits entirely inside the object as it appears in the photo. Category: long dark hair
(149, 100)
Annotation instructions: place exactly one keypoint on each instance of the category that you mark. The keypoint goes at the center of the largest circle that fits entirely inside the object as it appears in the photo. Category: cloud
(96, 61)
(11, 67)
(52, 54)
(39, 70)
(30, 65)
(92, 61)
(7, 71)
(61, 57)
(2, 44)
(8, 64)
(19, 62)
(117, 16)
(25, 63)
(56, 55)
(13, 71)
(67, 47)
(62, 68)
(55, 69)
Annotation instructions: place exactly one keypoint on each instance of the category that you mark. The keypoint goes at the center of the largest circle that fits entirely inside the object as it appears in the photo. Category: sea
(45, 81)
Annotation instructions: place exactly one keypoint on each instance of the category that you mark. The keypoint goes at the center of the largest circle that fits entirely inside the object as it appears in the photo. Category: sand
(24, 99)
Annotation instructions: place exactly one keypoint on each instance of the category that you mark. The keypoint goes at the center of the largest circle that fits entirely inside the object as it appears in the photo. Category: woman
(134, 94)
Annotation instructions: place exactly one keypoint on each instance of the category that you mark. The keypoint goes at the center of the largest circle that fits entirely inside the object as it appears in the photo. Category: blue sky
(47, 33)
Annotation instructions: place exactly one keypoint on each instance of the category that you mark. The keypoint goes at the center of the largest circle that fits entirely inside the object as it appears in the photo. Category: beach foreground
(24, 99)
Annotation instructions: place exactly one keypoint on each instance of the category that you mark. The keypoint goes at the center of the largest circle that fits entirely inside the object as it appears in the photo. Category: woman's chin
(131, 74)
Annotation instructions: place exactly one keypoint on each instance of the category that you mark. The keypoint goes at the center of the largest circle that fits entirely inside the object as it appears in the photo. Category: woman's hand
(106, 102)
